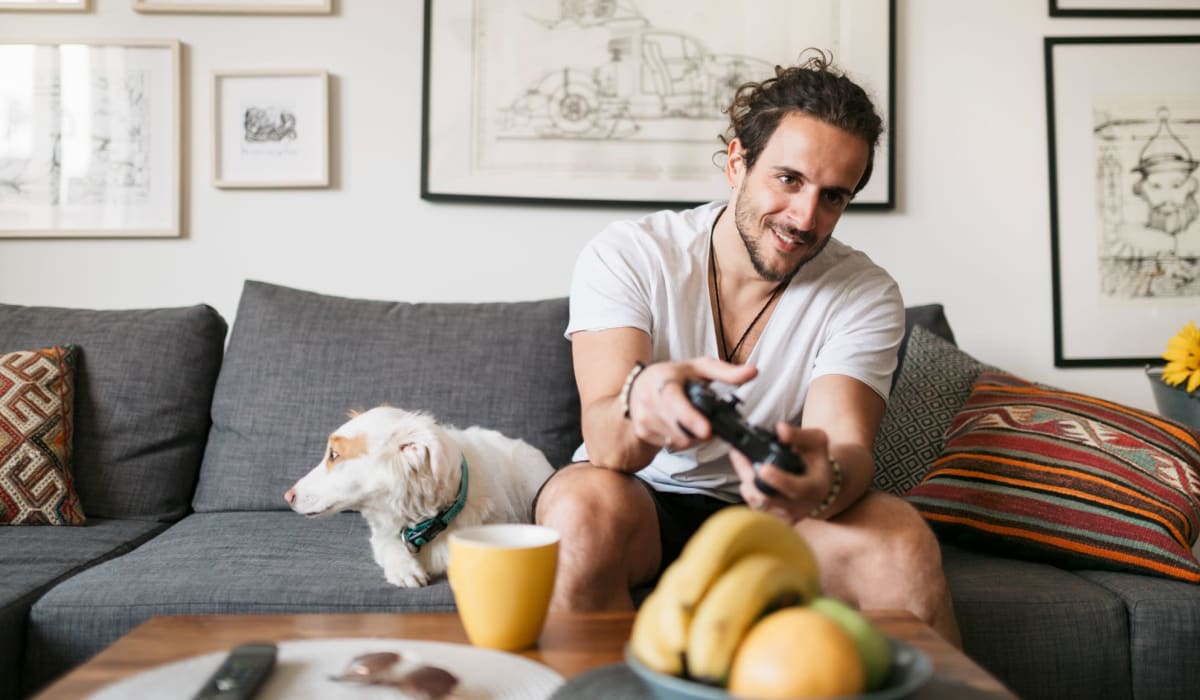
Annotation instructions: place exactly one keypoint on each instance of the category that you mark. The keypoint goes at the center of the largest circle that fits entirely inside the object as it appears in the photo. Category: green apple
(872, 645)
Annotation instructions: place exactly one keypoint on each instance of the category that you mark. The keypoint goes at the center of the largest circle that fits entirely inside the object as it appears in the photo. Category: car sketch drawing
(651, 74)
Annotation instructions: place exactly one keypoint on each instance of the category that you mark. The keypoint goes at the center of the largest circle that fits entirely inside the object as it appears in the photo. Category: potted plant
(1176, 386)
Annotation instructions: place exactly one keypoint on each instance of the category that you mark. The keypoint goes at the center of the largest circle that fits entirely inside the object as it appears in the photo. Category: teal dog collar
(423, 532)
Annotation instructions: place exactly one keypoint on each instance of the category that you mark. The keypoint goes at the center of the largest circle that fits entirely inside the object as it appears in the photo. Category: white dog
(412, 478)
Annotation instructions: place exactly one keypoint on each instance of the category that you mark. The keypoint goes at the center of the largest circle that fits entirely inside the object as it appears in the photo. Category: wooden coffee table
(570, 644)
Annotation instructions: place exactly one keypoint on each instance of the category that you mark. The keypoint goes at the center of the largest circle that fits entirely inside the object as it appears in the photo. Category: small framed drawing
(233, 7)
(271, 128)
(1125, 8)
(621, 103)
(44, 5)
(1123, 115)
(90, 138)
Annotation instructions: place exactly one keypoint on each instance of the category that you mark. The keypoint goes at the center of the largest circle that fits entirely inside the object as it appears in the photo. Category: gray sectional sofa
(183, 449)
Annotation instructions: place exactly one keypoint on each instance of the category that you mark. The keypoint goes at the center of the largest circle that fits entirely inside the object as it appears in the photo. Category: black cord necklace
(712, 260)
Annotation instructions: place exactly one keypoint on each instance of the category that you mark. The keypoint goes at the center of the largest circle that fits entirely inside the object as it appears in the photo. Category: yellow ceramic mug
(502, 577)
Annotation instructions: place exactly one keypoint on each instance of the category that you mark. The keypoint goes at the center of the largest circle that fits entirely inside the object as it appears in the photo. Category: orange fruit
(797, 652)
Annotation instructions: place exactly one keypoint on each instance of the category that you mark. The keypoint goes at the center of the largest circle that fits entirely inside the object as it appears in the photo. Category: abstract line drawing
(89, 139)
(1146, 196)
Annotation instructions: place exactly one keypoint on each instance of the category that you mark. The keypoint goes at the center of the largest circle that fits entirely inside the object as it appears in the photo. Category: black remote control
(241, 674)
(760, 445)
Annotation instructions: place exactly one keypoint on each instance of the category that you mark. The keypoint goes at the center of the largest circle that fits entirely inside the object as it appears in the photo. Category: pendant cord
(712, 260)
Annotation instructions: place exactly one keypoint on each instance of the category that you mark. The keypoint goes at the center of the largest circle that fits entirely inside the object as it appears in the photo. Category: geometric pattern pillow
(1083, 483)
(934, 380)
(37, 392)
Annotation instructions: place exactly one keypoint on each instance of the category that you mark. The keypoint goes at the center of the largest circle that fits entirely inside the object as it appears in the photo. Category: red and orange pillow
(1036, 473)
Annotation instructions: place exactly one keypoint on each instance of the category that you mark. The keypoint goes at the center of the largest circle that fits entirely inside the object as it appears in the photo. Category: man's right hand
(659, 409)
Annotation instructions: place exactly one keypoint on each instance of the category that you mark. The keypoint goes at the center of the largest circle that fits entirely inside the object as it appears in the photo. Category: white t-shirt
(841, 314)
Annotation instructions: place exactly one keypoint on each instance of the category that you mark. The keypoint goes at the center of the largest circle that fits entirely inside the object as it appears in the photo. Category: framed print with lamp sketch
(90, 138)
(621, 101)
(1123, 116)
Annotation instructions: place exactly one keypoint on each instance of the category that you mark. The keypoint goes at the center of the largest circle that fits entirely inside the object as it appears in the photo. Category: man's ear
(735, 163)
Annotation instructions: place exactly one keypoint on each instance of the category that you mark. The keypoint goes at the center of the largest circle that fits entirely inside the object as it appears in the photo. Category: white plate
(303, 668)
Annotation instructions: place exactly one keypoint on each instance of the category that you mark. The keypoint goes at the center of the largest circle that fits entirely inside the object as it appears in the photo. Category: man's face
(787, 205)
(1171, 195)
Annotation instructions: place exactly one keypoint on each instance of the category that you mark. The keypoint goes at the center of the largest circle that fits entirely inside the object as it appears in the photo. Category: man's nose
(802, 210)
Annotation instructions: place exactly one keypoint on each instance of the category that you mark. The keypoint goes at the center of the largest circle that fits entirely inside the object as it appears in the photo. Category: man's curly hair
(814, 88)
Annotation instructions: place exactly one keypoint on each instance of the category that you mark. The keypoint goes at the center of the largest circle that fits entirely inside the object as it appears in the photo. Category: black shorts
(679, 516)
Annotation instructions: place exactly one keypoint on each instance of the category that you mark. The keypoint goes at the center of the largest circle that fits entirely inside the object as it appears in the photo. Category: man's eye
(835, 198)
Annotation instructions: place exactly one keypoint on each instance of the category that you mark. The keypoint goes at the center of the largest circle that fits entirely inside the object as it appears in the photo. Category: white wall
(971, 228)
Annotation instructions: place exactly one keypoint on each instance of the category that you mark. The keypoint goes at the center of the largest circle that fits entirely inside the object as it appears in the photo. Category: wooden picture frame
(90, 138)
(230, 7)
(270, 128)
(44, 5)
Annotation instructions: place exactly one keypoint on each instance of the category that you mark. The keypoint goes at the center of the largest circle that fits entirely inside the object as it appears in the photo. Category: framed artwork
(248, 7)
(90, 138)
(621, 103)
(1125, 8)
(1123, 116)
(270, 128)
(44, 5)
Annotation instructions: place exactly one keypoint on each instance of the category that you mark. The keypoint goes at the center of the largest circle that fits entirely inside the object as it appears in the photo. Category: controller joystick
(760, 445)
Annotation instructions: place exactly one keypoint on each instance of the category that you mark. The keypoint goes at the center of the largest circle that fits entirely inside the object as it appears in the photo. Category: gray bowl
(911, 669)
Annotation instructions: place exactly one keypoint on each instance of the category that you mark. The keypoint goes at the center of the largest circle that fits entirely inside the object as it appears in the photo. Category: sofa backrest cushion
(298, 361)
(143, 386)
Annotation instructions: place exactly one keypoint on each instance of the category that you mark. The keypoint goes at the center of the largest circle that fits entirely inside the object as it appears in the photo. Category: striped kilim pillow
(1036, 473)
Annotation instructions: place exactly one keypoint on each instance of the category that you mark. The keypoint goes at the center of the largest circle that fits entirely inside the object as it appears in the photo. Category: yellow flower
(1183, 358)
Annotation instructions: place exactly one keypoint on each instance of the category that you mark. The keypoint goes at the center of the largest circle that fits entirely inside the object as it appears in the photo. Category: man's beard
(745, 221)
(1173, 219)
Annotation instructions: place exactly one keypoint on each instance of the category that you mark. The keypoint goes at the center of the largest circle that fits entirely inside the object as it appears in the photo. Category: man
(806, 329)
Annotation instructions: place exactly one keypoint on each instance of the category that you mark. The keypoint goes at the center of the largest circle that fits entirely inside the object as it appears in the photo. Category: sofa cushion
(37, 401)
(143, 387)
(932, 384)
(33, 559)
(1043, 631)
(219, 563)
(298, 361)
(1164, 617)
(1077, 481)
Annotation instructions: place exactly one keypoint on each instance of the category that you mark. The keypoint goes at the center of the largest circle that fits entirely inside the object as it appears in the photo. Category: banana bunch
(738, 566)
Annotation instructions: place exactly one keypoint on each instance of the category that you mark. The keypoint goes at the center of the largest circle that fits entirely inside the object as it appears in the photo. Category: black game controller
(761, 446)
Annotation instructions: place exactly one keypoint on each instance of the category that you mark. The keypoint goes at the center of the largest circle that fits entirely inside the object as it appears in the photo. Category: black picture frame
(612, 159)
(1122, 120)
(1127, 8)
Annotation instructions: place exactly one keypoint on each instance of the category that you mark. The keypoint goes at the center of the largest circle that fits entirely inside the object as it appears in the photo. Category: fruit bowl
(910, 670)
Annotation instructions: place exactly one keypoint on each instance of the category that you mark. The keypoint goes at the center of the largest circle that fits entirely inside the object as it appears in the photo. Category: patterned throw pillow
(933, 383)
(1036, 473)
(37, 396)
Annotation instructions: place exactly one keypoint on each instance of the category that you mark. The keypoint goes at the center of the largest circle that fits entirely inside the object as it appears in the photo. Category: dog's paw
(412, 576)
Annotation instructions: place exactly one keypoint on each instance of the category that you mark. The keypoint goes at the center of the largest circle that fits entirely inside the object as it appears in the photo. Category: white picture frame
(44, 5)
(270, 128)
(1123, 131)
(236, 7)
(621, 103)
(90, 138)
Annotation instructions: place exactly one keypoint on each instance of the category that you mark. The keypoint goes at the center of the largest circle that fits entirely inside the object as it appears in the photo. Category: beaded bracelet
(628, 385)
(835, 487)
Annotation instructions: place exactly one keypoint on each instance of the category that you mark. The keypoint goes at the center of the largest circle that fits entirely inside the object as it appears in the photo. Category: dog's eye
(333, 455)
